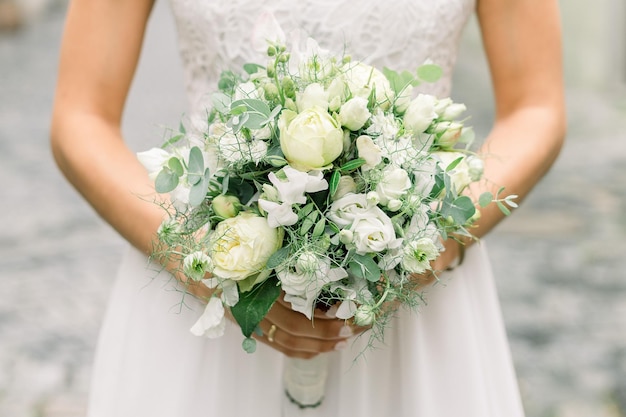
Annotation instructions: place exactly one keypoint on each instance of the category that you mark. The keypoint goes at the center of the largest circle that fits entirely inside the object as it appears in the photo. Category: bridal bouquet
(318, 176)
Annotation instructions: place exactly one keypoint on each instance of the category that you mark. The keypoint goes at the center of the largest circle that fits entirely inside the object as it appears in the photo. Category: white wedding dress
(450, 359)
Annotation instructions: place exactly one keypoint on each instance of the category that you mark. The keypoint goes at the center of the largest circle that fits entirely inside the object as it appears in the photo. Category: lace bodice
(401, 34)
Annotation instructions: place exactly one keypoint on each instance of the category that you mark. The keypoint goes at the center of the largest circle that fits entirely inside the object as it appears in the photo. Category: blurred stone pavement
(558, 260)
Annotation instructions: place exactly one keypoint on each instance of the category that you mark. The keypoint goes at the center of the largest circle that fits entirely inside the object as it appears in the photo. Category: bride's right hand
(293, 334)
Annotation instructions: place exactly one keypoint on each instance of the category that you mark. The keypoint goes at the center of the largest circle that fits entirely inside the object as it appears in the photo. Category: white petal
(212, 323)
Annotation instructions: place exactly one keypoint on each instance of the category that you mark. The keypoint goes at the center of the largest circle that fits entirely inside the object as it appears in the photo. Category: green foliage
(249, 345)
(429, 72)
(399, 81)
(362, 266)
(254, 305)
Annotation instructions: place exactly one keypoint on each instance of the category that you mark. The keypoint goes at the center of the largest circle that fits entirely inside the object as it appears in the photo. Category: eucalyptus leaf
(221, 102)
(176, 166)
(258, 112)
(362, 266)
(198, 191)
(278, 257)
(485, 199)
(195, 169)
(254, 305)
(504, 209)
(166, 181)
(429, 72)
(249, 345)
(251, 68)
(461, 209)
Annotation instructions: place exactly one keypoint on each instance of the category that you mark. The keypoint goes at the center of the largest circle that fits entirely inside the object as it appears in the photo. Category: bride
(450, 359)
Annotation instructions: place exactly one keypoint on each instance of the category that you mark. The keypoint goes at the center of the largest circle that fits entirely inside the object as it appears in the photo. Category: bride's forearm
(518, 152)
(93, 157)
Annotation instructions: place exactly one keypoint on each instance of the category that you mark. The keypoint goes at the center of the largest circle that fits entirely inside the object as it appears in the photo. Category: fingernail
(346, 331)
(341, 345)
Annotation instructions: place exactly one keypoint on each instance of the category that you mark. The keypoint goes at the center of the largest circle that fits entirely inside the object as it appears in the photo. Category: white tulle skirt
(450, 359)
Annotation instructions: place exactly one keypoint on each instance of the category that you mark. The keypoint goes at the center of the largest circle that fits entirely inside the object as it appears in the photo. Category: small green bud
(271, 92)
(289, 87)
(284, 57)
(226, 206)
(271, 69)
(271, 50)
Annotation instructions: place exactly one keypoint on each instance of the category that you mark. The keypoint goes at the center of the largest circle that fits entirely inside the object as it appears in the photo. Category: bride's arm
(99, 53)
(522, 41)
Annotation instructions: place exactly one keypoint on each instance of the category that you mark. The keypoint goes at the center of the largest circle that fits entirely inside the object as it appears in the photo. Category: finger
(295, 346)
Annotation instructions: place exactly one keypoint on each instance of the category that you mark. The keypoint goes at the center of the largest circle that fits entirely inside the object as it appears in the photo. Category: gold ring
(270, 333)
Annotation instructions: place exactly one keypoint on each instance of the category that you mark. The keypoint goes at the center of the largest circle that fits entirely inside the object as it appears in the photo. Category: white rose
(418, 254)
(460, 174)
(373, 232)
(448, 110)
(346, 185)
(362, 79)
(343, 211)
(241, 245)
(476, 167)
(449, 133)
(313, 95)
(310, 140)
(354, 113)
(336, 94)
(420, 113)
(212, 323)
(369, 151)
(394, 184)
(403, 99)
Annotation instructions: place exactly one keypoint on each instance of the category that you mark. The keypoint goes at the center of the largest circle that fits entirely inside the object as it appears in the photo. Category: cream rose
(460, 174)
(311, 139)
(241, 245)
(420, 113)
(394, 184)
(373, 232)
(362, 79)
(344, 210)
(354, 113)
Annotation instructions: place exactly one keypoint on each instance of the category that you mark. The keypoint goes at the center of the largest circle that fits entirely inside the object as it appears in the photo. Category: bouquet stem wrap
(305, 380)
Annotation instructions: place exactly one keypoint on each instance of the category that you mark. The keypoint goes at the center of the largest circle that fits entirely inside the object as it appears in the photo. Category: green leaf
(166, 181)
(305, 211)
(197, 193)
(362, 266)
(249, 345)
(176, 166)
(308, 222)
(319, 228)
(254, 305)
(454, 164)
(485, 199)
(461, 209)
(429, 72)
(333, 184)
(258, 112)
(195, 169)
(504, 209)
(399, 81)
(352, 165)
(251, 68)
(278, 257)
(172, 141)
(221, 102)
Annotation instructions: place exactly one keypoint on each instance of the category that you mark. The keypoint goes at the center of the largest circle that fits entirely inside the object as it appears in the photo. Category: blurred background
(558, 260)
